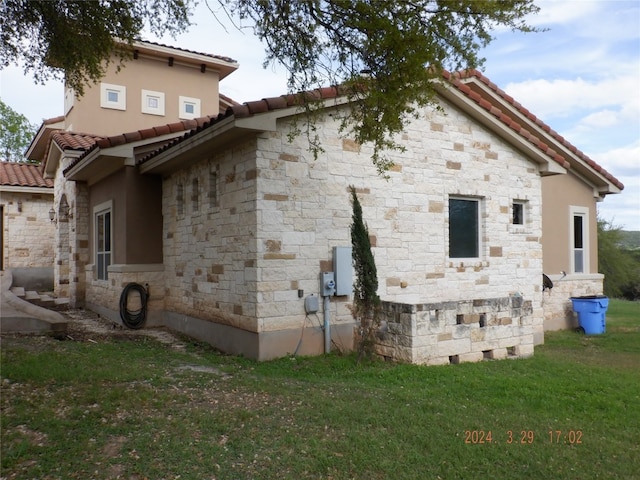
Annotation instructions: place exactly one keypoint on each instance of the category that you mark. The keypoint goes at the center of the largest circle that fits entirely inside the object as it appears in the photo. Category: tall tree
(401, 45)
(620, 267)
(16, 133)
(366, 302)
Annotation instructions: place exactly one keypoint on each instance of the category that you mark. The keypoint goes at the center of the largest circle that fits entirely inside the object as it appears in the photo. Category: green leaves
(401, 45)
(74, 40)
(15, 134)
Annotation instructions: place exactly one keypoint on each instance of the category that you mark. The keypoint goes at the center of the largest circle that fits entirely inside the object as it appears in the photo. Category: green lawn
(136, 409)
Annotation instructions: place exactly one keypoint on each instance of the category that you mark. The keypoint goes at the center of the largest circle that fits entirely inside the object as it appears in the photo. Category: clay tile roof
(23, 175)
(210, 55)
(75, 141)
(526, 113)
(88, 143)
(284, 101)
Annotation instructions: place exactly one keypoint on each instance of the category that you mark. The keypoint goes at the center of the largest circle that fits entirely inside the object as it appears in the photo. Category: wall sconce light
(52, 215)
(19, 206)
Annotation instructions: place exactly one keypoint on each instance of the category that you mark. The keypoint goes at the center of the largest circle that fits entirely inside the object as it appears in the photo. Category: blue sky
(581, 77)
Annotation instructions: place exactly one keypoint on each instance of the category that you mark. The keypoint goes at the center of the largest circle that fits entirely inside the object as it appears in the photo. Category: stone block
(454, 347)
(497, 354)
(524, 351)
(470, 357)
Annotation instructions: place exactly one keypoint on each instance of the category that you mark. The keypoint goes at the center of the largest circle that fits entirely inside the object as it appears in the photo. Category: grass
(137, 409)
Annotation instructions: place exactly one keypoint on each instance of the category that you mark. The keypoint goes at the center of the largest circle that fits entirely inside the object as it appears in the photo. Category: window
(464, 228)
(113, 96)
(103, 240)
(152, 102)
(518, 213)
(195, 194)
(579, 239)
(188, 108)
(180, 198)
(213, 187)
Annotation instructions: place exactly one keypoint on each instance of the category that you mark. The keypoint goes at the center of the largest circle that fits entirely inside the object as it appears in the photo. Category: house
(157, 95)
(569, 209)
(25, 200)
(236, 230)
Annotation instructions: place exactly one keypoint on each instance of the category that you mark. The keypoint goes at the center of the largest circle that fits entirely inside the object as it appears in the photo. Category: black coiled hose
(133, 318)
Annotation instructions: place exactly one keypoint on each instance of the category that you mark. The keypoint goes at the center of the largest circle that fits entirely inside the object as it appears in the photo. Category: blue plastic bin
(591, 310)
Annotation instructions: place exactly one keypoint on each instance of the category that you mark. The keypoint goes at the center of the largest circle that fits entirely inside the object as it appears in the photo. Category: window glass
(578, 244)
(103, 243)
(463, 228)
(518, 213)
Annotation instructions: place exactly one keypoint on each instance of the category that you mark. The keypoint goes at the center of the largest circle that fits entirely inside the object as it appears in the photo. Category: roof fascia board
(549, 139)
(39, 142)
(217, 130)
(547, 166)
(189, 58)
(19, 189)
(92, 163)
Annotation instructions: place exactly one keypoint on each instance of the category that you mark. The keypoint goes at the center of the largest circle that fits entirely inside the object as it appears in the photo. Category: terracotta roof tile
(88, 143)
(289, 100)
(23, 175)
(542, 125)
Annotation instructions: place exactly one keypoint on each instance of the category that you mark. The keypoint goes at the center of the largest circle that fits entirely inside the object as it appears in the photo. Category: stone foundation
(461, 331)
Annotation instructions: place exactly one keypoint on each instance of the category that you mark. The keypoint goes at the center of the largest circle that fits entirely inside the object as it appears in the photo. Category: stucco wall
(559, 192)
(148, 74)
(27, 232)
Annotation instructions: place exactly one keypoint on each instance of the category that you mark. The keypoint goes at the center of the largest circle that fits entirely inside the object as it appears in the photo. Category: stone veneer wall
(241, 258)
(558, 309)
(28, 234)
(103, 296)
(455, 332)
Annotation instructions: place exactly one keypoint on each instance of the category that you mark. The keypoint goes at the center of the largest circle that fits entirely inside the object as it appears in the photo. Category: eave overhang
(578, 163)
(547, 165)
(103, 162)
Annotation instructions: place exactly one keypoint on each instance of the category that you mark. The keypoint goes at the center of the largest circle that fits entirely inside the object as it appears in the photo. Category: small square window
(189, 108)
(113, 96)
(152, 102)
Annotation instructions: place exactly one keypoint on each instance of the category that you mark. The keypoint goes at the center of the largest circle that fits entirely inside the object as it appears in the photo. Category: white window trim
(182, 108)
(146, 95)
(584, 213)
(479, 201)
(121, 104)
(101, 208)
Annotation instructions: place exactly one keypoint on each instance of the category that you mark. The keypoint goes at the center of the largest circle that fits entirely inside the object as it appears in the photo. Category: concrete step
(31, 295)
(18, 291)
(45, 301)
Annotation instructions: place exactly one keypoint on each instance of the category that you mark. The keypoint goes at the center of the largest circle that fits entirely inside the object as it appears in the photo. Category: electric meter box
(343, 270)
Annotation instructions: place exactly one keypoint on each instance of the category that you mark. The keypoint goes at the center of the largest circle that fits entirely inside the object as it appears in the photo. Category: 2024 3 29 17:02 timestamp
(522, 437)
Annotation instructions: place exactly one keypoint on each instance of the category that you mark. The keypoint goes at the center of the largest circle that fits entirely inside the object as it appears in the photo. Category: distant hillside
(630, 240)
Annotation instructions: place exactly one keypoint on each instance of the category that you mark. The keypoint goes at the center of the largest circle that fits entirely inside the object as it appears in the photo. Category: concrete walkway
(20, 316)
